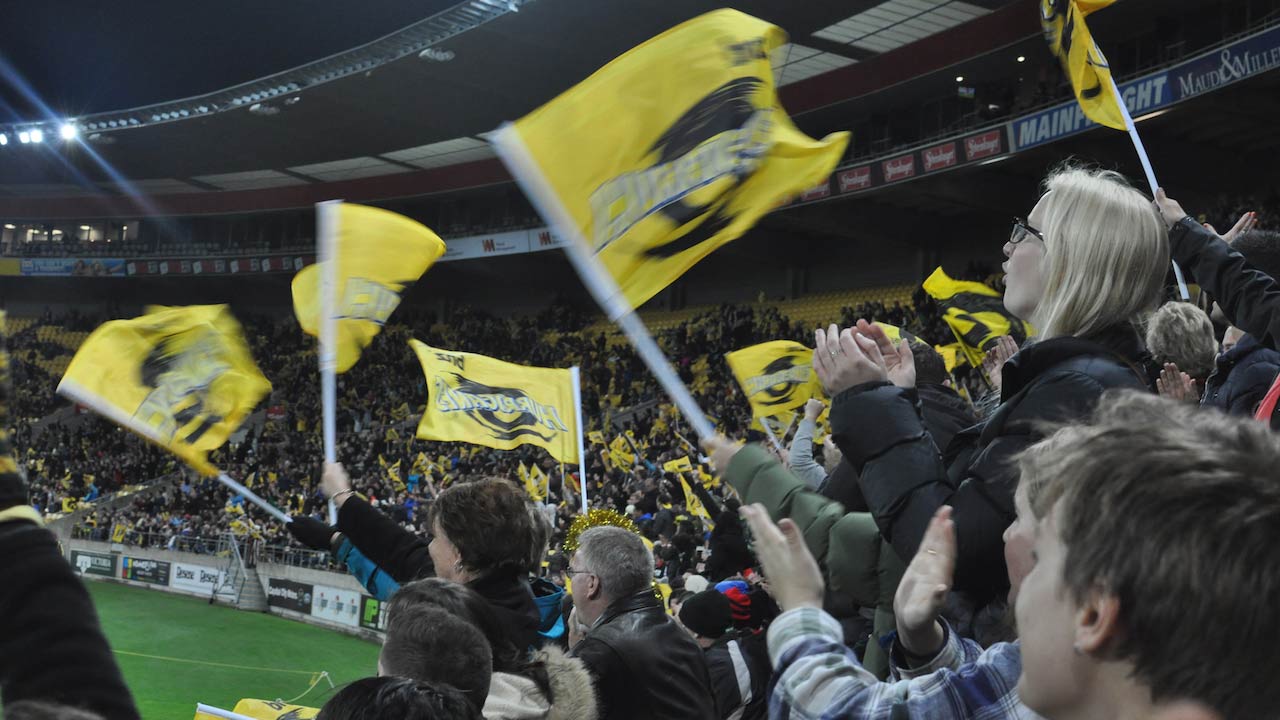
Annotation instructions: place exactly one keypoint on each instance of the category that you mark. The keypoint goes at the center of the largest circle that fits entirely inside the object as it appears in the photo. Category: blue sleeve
(379, 584)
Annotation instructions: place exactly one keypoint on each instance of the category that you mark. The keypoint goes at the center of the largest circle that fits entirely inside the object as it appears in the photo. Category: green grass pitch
(141, 622)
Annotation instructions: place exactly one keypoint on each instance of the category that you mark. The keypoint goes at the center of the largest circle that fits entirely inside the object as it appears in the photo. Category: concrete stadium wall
(331, 600)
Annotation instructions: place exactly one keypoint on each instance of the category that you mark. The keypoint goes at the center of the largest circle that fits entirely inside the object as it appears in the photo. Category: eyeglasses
(578, 572)
(1021, 230)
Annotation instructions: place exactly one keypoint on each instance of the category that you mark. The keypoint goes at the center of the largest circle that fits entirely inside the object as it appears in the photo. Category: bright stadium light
(68, 131)
(24, 137)
(84, 227)
(37, 135)
(9, 226)
(1022, 58)
(959, 78)
(4, 139)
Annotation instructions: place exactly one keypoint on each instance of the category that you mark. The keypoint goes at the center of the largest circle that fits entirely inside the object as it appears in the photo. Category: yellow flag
(393, 473)
(541, 482)
(707, 479)
(975, 313)
(693, 504)
(180, 377)
(951, 354)
(274, 710)
(670, 151)
(401, 412)
(1069, 40)
(620, 454)
(775, 376)
(895, 333)
(596, 437)
(377, 253)
(118, 533)
(392, 435)
(501, 405)
(70, 504)
(421, 465)
(679, 465)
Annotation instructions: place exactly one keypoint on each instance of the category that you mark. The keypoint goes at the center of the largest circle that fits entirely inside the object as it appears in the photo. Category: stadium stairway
(252, 597)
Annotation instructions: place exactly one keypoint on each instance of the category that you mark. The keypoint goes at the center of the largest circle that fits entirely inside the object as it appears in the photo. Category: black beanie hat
(707, 613)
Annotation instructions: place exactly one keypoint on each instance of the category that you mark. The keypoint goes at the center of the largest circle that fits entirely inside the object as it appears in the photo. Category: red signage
(899, 168)
(983, 145)
(858, 178)
(939, 157)
(816, 192)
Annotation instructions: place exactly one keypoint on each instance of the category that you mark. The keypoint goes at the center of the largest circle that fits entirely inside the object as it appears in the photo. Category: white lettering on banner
(984, 145)
(1233, 67)
(1141, 96)
(940, 156)
(899, 168)
(817, 192)
(858, 178)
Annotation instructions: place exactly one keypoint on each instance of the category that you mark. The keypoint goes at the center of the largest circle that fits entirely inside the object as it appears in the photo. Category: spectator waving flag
(775, 376)
(181, 377)
(483, 401)
(1086, 67)
(975, 313)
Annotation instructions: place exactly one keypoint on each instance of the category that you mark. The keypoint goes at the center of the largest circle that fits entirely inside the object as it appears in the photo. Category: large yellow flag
(975, 313)
(488, 402)
(181, 377)
(1085, 65)
(670, 151)
(377, 253)
(775, 376)
(693, 504)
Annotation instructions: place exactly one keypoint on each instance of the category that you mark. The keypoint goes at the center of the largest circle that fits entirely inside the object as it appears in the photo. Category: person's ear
(1097, 621)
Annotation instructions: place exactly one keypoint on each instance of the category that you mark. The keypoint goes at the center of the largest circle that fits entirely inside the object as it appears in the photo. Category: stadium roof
(353, 112)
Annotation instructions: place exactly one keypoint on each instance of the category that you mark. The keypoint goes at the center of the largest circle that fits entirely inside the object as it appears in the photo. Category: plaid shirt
(816, 677)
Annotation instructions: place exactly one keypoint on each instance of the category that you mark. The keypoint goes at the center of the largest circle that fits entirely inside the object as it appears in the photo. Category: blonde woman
(1086, 268)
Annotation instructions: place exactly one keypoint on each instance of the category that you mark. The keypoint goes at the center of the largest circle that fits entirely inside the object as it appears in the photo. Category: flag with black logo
(1070, 41)
(181, 377)
(975, 313)
(480, 400)
(775, 376)
(376, 254)
(668, 152)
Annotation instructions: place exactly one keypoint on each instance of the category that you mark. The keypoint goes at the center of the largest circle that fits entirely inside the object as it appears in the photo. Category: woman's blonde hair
(1106, 254)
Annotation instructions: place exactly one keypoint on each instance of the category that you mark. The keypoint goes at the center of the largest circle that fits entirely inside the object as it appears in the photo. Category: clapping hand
(993, 364)
(1176, 385)
(1247, 222)
(861, 354)
(924, 586)
(794, 578)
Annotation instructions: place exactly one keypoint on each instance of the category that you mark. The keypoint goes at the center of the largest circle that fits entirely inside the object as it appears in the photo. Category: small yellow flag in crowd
(975, 313)
(775, 376)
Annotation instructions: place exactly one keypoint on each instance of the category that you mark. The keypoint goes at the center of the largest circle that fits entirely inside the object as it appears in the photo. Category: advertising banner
(155, 572)
(92, 563)
(200, 579)
(79, 267)
(336, 605)
(373, 615)
(1219, 68)
(289, 595)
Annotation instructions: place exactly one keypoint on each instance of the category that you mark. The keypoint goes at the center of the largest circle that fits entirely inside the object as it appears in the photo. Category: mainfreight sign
(1204, 73)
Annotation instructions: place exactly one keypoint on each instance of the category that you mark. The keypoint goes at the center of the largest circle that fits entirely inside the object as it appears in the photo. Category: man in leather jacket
(644, 665)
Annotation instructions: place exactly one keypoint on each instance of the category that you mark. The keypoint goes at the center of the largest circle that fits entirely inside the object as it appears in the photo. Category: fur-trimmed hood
(515, 697)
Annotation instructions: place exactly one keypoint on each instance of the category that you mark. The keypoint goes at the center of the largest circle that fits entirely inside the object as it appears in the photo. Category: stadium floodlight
(85, 227)
(10, 226)
(24, 137)
(1022, 58)
(4, 139)
(68, 131)
(37, 135)
(959, 78)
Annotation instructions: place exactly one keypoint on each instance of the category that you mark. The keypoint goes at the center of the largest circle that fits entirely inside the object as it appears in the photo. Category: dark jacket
(51, 646)
(729, 552)
(905, 478)
(644, 665)
(1241, 377)
(404, 556)
(740, 670)
(1248, 297)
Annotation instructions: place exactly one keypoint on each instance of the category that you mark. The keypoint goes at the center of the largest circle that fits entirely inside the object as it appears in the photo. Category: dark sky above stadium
(83, 56)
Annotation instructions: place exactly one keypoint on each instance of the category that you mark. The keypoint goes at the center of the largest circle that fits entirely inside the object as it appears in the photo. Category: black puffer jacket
(1241, 377)
(644, 665)
(1248, 297)
(905, 478)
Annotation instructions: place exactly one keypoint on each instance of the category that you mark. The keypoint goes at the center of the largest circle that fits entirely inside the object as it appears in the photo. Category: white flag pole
(769, 431)
(1146, 168)
(249, 495)
(327, 241)
(511, 148)
(576, 376)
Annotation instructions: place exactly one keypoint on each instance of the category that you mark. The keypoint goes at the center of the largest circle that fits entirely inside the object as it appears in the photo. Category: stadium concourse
(856, 446)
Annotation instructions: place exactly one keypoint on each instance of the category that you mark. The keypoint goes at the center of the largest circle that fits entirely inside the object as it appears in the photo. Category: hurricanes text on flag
(181, 377)
(668, 152)
(480, 400)
(378, 253)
